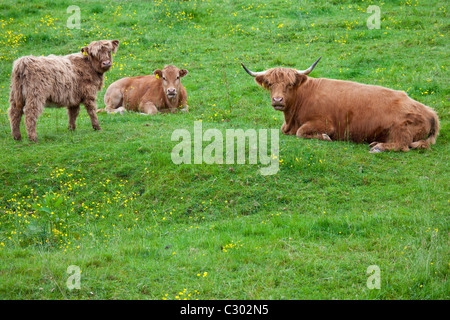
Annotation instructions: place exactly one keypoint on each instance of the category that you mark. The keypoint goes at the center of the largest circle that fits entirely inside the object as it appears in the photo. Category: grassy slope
(141, 227)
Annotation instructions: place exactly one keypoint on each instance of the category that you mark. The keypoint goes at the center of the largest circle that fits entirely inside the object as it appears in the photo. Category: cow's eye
(164, 78)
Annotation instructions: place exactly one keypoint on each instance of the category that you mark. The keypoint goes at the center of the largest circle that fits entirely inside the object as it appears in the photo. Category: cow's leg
(120, 110)
(316, 130)
(421, 144)
(148, 108)
(421, 130)
(381, 146)
(32, 110)
(284, 128)
(91, 109)
(184, 106)
(73, 114)
(15, 113)
(400, 138)
(376, 147)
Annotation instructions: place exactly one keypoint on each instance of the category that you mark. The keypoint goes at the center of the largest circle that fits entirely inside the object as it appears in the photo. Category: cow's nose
(106, 63)
(277, 99)
(171, 91)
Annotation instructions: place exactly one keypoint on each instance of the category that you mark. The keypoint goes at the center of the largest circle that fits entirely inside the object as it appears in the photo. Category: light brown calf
(161, 92)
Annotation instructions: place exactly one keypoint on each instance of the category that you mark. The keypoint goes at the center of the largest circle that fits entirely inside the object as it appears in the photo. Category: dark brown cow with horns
(328, 109)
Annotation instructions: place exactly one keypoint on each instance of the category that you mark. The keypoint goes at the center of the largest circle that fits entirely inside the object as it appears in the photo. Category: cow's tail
(16, 98)
(432, 134)
(434, 131)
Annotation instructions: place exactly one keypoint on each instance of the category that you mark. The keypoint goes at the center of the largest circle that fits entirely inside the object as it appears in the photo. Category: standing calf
(61, 81)
(161, 92)
(328, 109)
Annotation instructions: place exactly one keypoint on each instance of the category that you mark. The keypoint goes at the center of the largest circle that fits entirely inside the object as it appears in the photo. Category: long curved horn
(308, 71)
(253, 74)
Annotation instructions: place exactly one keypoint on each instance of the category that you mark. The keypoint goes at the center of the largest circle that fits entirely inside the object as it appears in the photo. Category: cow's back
(51, 78)
(133, 89)
(359, 112)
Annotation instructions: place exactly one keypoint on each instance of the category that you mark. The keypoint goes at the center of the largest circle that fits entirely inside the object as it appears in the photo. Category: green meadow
(138, 226)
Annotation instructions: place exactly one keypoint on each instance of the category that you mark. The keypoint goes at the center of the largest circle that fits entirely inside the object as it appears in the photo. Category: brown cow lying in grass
(161, 92)
(61, 81)
(328, 109)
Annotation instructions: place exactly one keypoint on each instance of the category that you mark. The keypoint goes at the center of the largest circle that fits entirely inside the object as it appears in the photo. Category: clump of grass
(141, 227)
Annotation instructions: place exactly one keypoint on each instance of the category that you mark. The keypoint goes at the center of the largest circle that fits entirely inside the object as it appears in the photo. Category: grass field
(139, 226)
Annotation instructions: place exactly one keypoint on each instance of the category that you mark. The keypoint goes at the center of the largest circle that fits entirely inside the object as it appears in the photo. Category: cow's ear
(158, 73)
(261, 80)
(85, 51)
(300, 78)
(115, 44)
(183, 72)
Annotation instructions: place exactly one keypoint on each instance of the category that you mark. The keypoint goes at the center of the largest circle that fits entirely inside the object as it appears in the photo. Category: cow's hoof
(97, 128)
(326, 137)
(375, 150)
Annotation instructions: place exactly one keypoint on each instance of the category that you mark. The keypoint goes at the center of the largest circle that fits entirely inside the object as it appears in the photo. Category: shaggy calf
(161, 92)
(58, 81)
(329, 109)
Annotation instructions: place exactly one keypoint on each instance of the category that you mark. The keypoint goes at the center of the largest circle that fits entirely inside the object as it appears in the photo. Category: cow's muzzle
(278, 103)
(106, 64)
(171, 93)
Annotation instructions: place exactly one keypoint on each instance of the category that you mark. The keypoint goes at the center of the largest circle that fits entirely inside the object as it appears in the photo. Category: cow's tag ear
(260, 80)
(157, 73)
(300, 78)
(183, 72)
(115, 44)
(85, 51)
